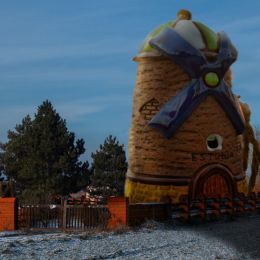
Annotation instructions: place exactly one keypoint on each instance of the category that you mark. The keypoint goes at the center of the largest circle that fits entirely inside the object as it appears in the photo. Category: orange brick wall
(8, 214)
(118, 208)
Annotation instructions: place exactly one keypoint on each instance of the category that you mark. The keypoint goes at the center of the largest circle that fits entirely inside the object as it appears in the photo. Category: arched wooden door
(213, 182)
(215, 186)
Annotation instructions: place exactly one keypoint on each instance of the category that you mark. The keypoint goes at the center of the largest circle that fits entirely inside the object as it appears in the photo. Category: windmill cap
(195, 33)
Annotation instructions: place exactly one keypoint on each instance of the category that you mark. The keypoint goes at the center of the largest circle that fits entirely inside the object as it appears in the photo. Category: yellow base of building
(139, 192)
(242, 186)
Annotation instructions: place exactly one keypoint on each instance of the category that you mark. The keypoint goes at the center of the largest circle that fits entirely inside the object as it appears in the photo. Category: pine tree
(1, 172)
(109, 166)
(42, 156)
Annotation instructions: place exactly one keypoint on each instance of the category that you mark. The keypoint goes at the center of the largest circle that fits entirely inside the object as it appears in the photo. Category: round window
(214, 142)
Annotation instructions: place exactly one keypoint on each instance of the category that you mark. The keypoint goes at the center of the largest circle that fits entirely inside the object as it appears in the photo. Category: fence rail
(83, 217)
(206, 208)
(65, 217)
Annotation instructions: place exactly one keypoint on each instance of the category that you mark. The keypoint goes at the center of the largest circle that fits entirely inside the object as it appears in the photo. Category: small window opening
(214, 142)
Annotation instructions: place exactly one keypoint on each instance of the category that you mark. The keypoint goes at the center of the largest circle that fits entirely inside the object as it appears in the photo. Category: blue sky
(78, 54)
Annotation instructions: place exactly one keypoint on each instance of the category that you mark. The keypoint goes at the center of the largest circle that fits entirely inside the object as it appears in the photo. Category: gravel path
(239, 239)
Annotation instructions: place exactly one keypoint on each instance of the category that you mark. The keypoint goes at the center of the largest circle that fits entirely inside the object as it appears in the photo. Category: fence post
(118, 208)
(8, 214)
(64, 215)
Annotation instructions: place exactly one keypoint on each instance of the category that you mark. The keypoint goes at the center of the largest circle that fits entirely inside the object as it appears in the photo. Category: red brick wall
(8, 214)
(118, 208)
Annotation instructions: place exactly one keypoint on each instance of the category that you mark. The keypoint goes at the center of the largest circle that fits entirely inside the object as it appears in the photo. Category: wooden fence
(140, 212)
(120, 212)
(208, 208)
(85, 217)
(64, 217)
(203, 209)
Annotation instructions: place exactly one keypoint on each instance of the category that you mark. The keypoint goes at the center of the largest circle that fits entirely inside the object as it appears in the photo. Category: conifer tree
(109, 166)
(1, 172)
(42, 156)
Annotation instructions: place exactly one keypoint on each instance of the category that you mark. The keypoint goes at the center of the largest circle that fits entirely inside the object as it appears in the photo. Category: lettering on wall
(221, 156)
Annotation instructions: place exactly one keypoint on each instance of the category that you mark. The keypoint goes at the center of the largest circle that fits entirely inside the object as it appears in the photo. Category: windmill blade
(172, 45)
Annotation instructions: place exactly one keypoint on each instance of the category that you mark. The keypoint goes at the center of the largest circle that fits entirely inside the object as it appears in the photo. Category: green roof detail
(210, 36)
(146, 46)
(196, 33)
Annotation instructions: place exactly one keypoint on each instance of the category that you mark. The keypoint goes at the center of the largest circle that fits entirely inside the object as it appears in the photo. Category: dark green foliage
(1, 173)
(42, 156)
(109, 167)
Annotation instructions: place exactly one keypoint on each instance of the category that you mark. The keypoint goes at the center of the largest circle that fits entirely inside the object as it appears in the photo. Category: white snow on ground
(215, 240)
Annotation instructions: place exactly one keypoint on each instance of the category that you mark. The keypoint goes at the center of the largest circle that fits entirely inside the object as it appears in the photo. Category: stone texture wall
(150, 153)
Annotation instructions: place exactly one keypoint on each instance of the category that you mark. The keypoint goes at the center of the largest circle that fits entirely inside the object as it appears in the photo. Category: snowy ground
(239, 239)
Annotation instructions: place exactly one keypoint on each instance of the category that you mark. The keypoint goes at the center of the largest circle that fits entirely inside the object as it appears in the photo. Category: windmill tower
(185, 137)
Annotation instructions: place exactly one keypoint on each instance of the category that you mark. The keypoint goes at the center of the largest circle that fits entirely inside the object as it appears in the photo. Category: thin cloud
(72, 111)
(76, 110)
(66, 74)
(243, 24)
(34, 78)
(23, 54)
